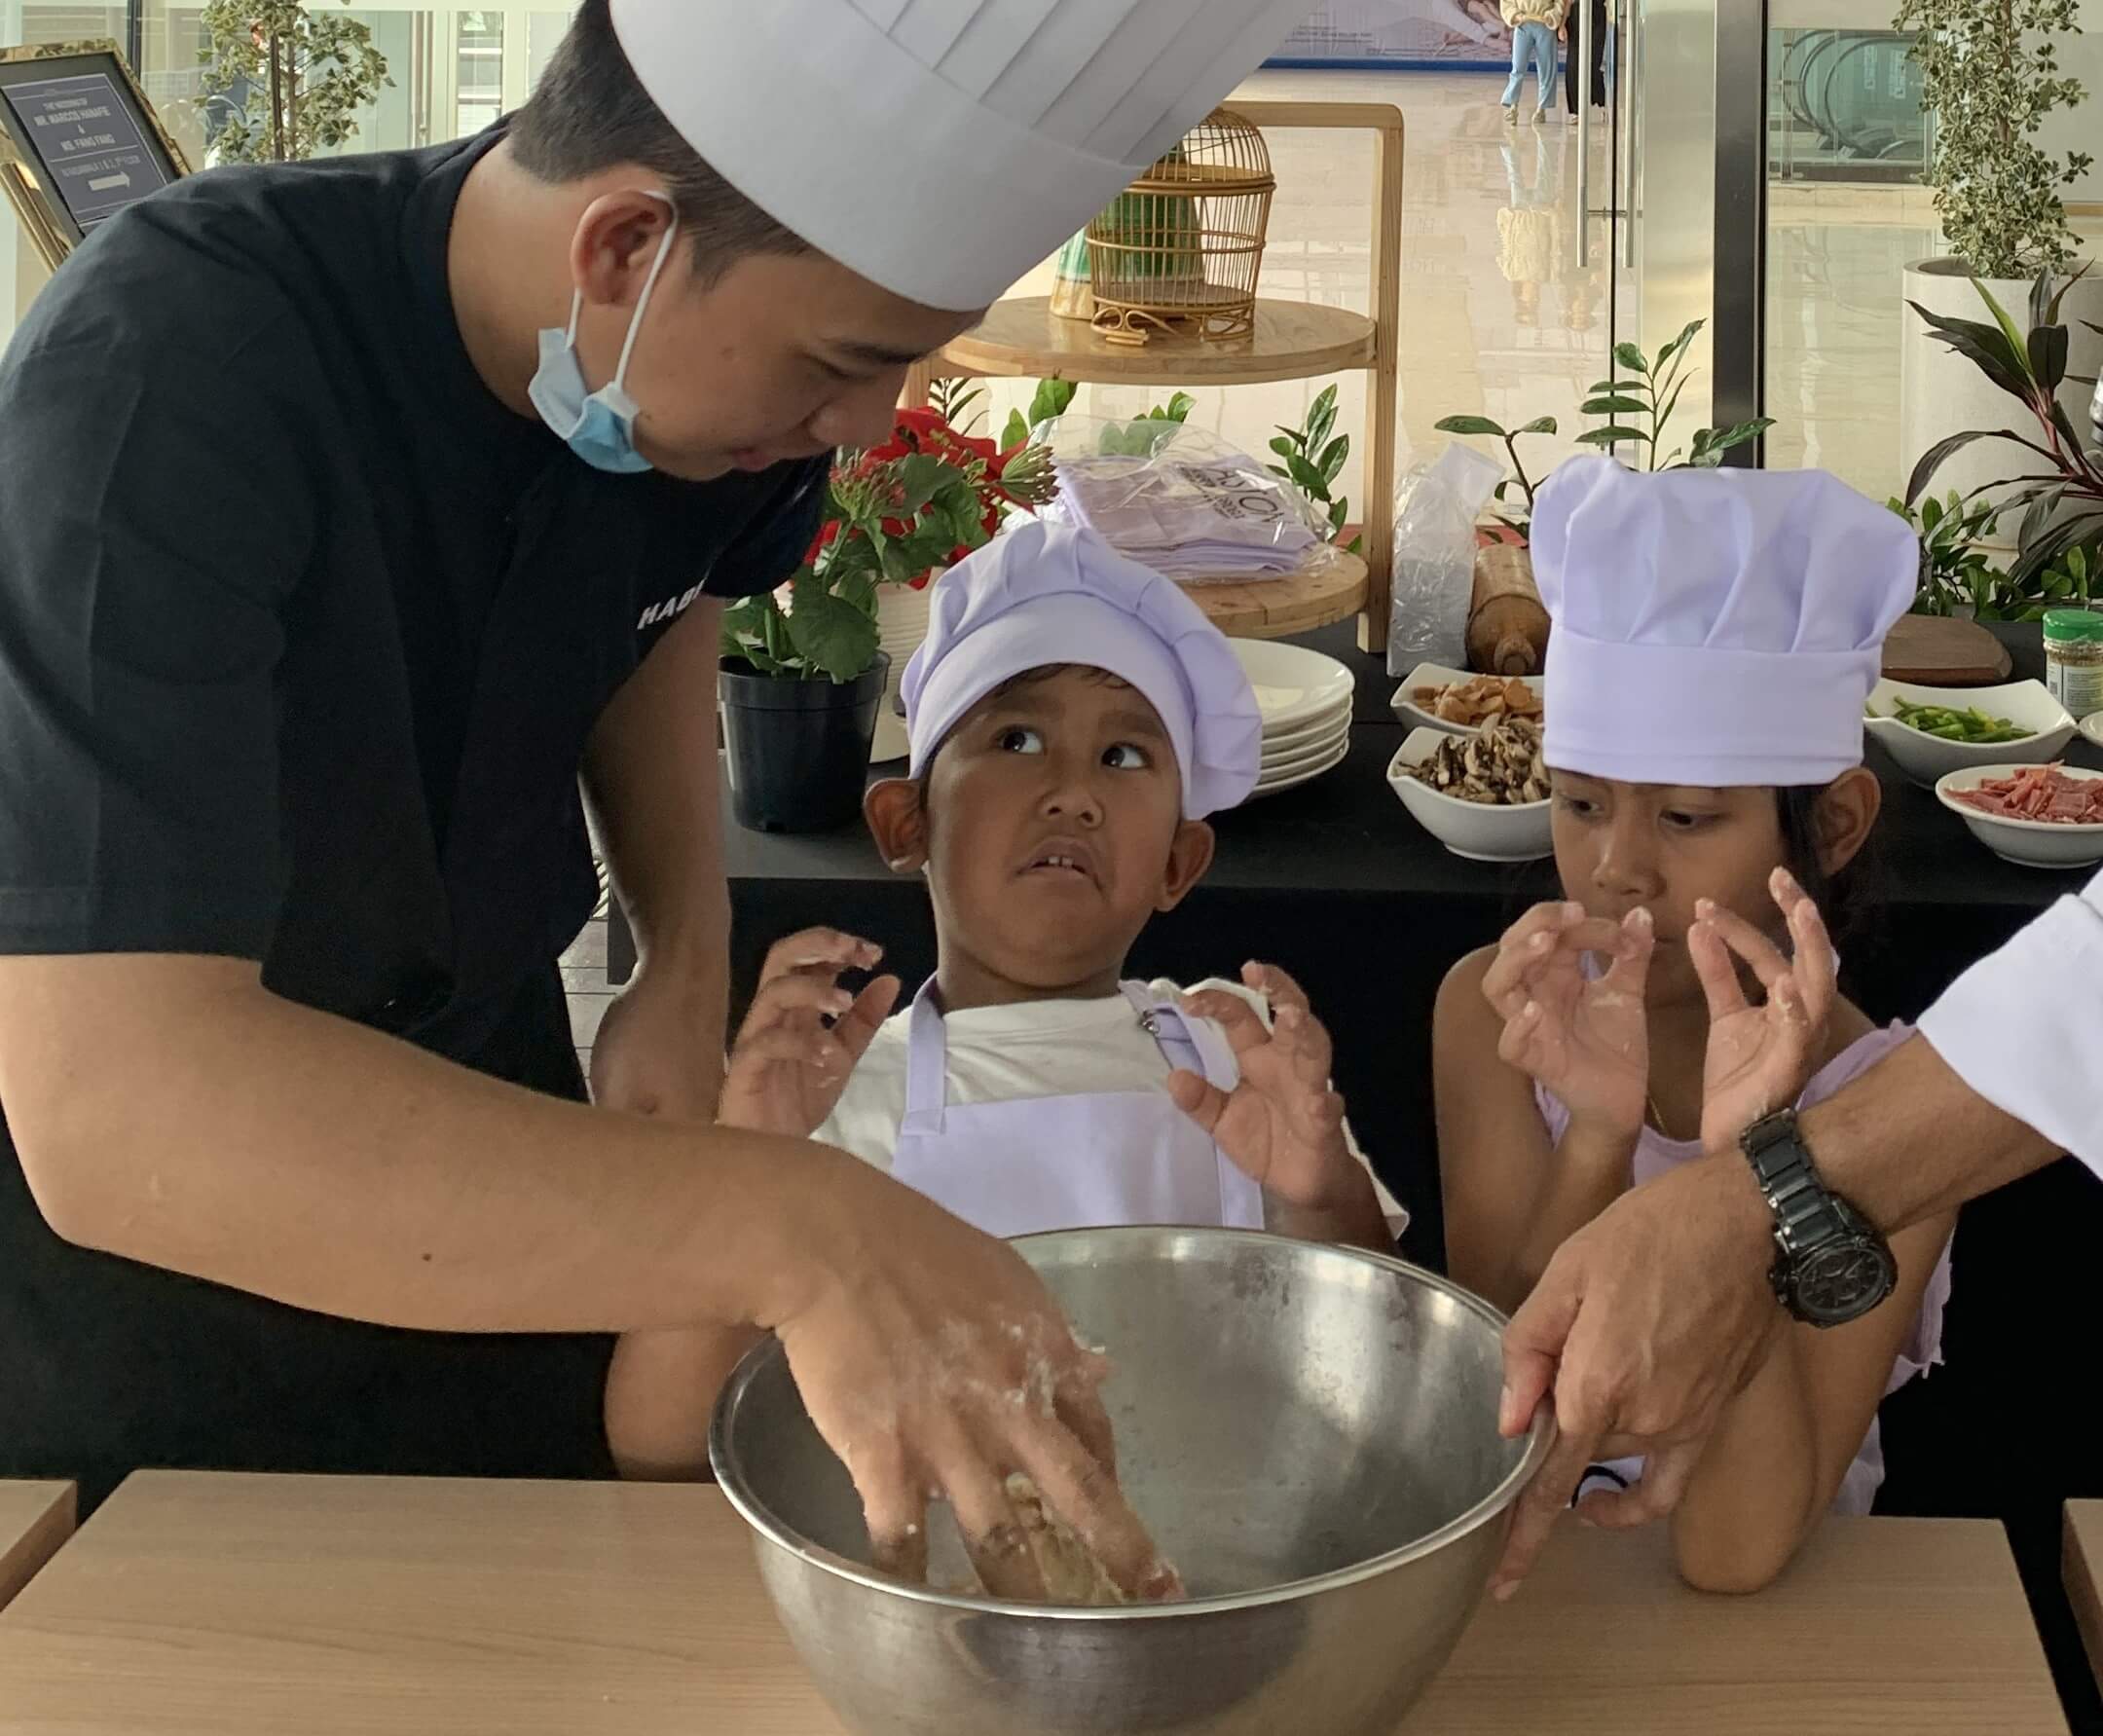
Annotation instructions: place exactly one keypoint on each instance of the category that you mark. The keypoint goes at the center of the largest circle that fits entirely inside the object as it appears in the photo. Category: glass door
(1676, 164)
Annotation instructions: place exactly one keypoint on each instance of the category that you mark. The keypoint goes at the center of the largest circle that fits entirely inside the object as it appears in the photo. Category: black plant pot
(798, 751)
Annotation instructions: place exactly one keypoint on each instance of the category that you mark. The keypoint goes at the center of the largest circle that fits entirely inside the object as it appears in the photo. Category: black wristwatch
(1830, 1264)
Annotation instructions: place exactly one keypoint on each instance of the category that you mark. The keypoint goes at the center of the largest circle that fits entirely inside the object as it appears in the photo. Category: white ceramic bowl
(2028, 704)
(2028, 843)
(1469, 829)
(1437, 675)
(2092, 727)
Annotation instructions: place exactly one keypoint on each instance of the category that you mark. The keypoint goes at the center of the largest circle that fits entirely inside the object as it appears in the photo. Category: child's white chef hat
(1713, 627)
(1048, 594)
(941, 148)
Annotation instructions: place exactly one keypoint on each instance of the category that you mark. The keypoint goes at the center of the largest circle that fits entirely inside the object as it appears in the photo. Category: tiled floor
(583, 969)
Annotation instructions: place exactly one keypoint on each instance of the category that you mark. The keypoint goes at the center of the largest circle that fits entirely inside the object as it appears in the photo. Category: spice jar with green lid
(2074, 658)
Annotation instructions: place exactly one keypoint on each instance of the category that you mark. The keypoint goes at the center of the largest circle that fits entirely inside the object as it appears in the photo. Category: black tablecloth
(1336, 882)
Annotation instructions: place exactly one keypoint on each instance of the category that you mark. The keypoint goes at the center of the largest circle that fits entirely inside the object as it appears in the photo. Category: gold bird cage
(1181, 247)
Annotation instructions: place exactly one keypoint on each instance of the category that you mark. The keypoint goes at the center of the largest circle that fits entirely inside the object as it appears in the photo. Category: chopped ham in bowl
(2038, 816)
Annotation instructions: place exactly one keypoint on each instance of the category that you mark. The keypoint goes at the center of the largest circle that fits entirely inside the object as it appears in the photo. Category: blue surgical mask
(597, 427)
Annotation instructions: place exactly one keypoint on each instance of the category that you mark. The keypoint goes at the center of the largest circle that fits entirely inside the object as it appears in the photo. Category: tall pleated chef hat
(941, 148)
(1714, 628)
(1044, 594)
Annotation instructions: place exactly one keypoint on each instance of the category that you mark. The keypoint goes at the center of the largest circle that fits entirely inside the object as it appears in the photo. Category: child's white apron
(1077, 1160)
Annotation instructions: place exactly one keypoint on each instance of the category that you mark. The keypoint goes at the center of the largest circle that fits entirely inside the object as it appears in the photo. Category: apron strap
(1199, 1045)
(927, 1064)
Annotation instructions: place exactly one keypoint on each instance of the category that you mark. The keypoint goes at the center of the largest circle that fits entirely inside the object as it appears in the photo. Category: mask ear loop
(649, 285)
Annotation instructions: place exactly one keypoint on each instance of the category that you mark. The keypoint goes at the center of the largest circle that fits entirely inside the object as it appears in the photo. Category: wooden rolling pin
(1507, 629)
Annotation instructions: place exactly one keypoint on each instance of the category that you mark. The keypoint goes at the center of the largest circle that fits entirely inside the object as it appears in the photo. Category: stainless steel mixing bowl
(1310, 1434)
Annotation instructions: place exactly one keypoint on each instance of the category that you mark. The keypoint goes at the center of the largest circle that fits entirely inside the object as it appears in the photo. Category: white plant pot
(1941, 393)
(902, 623)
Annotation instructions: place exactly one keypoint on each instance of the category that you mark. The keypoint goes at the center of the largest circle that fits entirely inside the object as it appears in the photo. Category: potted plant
(804, 670)
(1990, 74)
(282, 81)
(2057, 487)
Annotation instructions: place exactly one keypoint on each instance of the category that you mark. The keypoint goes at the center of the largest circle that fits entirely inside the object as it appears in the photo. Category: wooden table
(195, 1605)
(2081, 1565)
(35, 1518)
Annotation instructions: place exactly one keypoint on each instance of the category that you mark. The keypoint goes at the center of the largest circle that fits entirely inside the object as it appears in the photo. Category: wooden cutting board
(1940, 652)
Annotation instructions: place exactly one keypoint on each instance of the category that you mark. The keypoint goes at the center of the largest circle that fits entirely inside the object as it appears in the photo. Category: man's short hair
(590, 114)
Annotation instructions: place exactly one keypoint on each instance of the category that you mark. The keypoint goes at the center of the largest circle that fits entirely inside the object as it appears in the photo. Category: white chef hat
(1714, 628)
(941, 148)
(1044, 594)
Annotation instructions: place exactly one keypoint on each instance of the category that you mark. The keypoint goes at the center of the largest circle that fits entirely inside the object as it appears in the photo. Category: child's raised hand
(1587, 1039)
(1282, 1125)
(1760, 1057)
(789, 1065)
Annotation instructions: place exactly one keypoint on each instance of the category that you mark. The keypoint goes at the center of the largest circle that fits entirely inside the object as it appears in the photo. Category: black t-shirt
(301, 634)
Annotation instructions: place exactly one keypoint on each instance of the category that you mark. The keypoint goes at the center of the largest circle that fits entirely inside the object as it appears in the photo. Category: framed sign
(78, 141)
(1399, 35)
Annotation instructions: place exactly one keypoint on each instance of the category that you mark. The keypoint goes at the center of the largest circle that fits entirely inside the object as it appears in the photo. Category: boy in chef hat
(1717, 635)
(1073, 718)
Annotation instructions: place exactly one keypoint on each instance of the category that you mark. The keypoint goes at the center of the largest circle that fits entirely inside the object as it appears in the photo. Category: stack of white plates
(1306, 701)
(902, 623)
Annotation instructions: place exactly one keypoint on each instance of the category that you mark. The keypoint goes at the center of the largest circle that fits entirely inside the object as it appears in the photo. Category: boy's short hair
(590, 114)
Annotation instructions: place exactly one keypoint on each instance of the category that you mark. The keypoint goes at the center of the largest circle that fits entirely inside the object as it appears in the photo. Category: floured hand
(934, 1362)
(1761, 1059)
(1584, 1037)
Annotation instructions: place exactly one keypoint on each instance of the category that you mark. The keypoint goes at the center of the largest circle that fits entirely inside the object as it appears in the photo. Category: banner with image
(1399, 34)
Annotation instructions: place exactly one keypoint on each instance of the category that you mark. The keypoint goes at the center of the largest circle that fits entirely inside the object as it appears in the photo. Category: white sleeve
(2023, 1025)
(1391, 1208)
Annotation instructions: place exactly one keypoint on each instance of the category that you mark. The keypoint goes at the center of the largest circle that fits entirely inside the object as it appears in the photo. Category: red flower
(924, 430)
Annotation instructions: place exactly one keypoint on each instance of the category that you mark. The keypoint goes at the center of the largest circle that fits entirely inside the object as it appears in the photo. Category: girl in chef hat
(1073, 720)
(1717, 635)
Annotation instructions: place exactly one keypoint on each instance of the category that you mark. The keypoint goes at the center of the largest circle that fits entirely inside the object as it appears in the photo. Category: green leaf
(1932, 459)
(1631, 357)
(1053, 397)
(1016, 433)
(1468, 424)
(2001, 317)
(1356, 546)
(1987, 348)
(1180, 406)
(1540, 424)
(1321, 417)
(1611, 436)
(1336, 510)
(829, 632)
(1311, 480)
(1285, 449)
(1614, 407)
(1333, 455)
(1678, 343)
(1930, 513)
(2048, 355)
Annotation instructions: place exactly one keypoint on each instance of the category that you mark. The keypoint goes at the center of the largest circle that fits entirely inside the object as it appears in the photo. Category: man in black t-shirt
(349, 513)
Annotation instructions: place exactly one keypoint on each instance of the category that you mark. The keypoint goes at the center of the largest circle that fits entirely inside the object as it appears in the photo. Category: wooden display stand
(1021, 338)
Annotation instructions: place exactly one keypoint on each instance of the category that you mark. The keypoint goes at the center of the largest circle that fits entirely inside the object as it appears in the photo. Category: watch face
(1843, 1282)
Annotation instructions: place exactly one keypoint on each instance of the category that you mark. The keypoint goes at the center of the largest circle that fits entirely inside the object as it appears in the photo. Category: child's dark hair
(1846, 900)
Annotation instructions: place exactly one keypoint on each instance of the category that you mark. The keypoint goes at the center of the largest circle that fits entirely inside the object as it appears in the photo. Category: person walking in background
(1534, 26)
(1602, 73)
